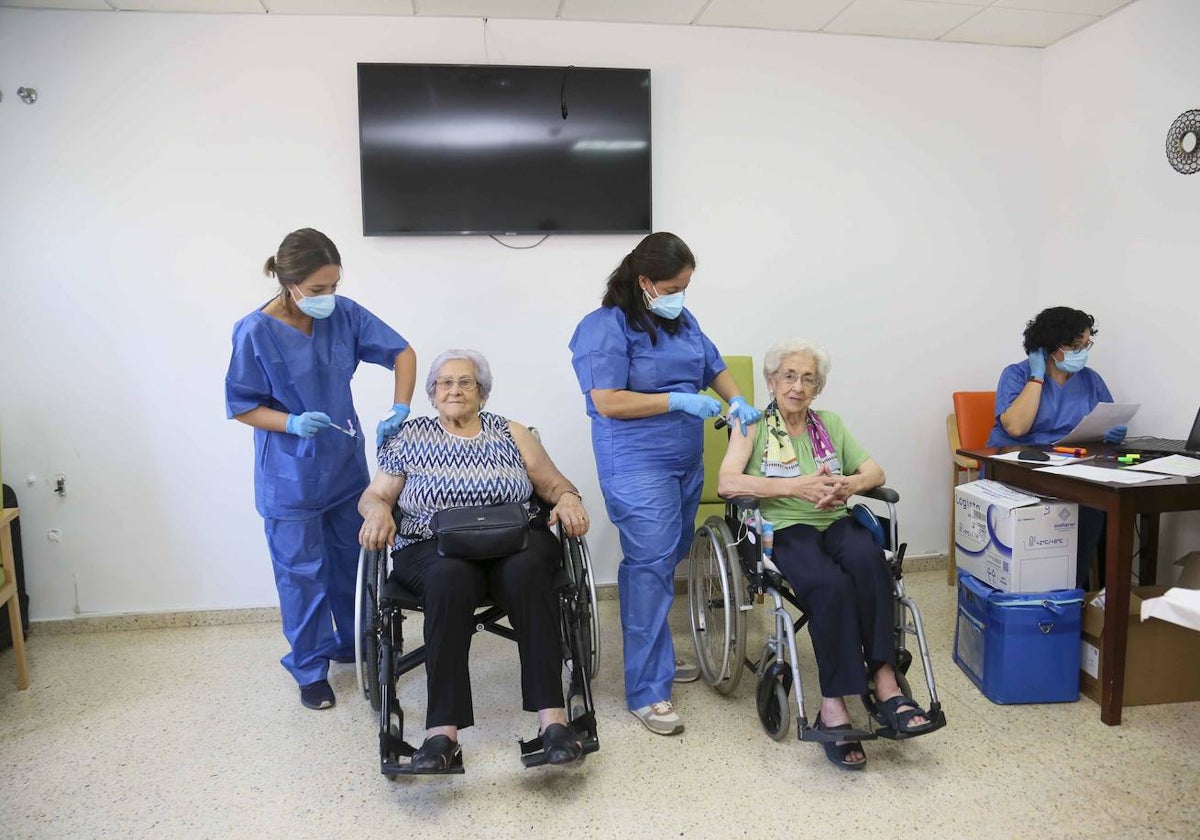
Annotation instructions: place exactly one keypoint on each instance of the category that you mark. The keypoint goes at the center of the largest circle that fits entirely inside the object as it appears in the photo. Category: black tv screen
(490, 150)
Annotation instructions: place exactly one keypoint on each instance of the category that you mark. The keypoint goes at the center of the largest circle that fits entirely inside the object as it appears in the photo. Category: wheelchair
(728, 574)
(381, 602)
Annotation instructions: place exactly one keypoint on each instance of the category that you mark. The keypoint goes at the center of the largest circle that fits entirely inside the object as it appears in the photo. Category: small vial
(767, 532)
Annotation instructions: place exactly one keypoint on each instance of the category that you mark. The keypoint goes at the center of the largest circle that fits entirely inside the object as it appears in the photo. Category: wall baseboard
(154, 621)
(261, 615)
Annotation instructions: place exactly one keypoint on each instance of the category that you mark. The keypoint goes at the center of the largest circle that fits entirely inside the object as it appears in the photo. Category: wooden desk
(8, 592)
(1122, 502)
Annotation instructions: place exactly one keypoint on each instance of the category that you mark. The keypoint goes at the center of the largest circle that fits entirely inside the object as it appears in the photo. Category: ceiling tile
(77, 5)
(808, 15)
(1017, 28)
(339, 7)
(218, 7)
(633, 11)
(525, 9)
(1076, 7)
(900, 18)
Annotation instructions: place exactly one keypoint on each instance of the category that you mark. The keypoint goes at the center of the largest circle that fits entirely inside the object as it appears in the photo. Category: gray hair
(483, 371)
(780, 350)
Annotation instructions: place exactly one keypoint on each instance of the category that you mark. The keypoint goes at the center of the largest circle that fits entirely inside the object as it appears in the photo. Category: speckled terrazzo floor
(197, 732)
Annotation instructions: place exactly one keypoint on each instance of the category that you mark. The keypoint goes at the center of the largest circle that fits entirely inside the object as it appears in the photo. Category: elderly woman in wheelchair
(802, 465)
(468, 457)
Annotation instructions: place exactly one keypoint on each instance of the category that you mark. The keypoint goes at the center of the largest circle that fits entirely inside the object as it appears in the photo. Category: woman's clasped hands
(826, 490)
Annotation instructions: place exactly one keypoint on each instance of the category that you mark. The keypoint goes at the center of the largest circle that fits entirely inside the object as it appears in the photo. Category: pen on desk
(1071, 450)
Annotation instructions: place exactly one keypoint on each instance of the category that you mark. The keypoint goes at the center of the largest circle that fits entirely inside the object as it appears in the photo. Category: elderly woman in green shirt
(803, 464)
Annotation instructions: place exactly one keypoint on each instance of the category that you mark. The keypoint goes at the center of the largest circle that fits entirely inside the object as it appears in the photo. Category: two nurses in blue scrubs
(1041, 399)
(289, 378)
(642, 360)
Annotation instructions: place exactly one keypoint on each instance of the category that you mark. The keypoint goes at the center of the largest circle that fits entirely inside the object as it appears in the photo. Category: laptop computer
(1191, 446)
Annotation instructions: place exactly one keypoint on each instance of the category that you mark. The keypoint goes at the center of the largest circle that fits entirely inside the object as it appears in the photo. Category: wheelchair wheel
(715, 591)
(579, 566)
(371, 568)
(774, 708)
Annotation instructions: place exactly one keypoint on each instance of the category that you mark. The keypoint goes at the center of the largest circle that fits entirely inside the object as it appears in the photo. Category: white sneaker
(686, 672)
(660, 718)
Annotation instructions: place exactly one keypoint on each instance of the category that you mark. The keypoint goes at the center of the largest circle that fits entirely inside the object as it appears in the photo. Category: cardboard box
(1162, 660)
(1189, 570)
(1013, 541)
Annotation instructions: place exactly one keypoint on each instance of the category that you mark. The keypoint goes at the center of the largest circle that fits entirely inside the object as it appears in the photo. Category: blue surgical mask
(1073, 361)
(318, 306)
(666, 306)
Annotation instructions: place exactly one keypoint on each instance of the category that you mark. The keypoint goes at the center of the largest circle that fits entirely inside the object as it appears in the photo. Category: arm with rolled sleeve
(600, 356)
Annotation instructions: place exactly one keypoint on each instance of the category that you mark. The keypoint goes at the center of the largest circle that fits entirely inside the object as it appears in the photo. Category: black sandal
(436, 755)
(900, 721)
(838, 753)
(561, 744)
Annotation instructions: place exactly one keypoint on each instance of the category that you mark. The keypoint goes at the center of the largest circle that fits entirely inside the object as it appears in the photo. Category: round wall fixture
(1183, 143)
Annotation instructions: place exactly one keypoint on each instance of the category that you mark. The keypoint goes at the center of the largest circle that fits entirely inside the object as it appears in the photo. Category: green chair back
(716, 441)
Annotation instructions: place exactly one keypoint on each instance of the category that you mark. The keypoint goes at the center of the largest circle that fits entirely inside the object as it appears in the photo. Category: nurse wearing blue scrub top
(289, 378)
(642, 360)
(1041, 399)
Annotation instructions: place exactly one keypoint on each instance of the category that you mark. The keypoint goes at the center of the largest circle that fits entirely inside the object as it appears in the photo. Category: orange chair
(967, 428)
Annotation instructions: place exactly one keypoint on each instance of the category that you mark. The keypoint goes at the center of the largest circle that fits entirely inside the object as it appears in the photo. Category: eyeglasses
(791, 378)
(1079, 348)
(464, 383)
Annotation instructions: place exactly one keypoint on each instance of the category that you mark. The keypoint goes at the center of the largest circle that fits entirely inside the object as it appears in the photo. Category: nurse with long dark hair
(642, 360)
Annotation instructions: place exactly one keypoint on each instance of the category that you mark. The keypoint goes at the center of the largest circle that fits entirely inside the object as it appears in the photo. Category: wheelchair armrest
(883, 494)
(743, 502)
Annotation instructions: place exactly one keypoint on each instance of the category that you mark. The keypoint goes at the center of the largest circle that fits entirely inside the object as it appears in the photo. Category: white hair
(780, 350)
(483, 371)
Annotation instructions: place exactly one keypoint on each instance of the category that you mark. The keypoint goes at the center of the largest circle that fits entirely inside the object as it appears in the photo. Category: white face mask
(317, 306)
(665, 306)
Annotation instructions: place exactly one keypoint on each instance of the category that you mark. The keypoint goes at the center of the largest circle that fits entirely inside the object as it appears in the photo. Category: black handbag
(481, 533)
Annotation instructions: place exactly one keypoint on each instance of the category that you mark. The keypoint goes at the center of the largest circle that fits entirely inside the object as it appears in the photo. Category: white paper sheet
(1102, 418)
(1056, 458)
(1170, 465)
(1113, 475)
(1176, 605)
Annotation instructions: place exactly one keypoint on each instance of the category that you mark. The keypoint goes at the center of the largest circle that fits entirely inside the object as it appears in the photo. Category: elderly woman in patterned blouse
(467, 456)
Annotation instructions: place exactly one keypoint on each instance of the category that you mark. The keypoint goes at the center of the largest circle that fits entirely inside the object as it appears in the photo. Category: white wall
(1122, 227)
(881, 196)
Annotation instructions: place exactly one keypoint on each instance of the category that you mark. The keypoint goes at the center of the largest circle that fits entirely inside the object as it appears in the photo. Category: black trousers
(840, 581)
(451, 589)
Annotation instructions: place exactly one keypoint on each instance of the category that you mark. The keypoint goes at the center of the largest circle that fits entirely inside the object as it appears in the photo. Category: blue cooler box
(1019, 647)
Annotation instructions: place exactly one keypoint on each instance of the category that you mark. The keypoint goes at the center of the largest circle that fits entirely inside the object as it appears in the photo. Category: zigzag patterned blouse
(443, 471)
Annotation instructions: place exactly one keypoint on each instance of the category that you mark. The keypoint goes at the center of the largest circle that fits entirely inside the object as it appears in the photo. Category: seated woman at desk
(1041, 399)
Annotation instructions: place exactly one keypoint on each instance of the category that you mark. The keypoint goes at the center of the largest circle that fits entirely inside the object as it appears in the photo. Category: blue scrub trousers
(316, 563)
(655, 513)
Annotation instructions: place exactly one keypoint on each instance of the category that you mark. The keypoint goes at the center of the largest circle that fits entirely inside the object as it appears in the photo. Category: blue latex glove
(1037, 364)
(391, 424)
(307, 424)
(697, 405)
(744, 413)
(1116, 434)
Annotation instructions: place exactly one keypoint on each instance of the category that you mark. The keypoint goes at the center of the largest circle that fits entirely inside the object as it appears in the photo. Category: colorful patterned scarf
(779, 456)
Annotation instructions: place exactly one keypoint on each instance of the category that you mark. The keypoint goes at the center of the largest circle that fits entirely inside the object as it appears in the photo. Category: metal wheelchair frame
(721, 592)
(380, 605)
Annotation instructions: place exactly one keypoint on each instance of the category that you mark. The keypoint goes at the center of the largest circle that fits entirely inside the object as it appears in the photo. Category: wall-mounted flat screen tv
(503, 150)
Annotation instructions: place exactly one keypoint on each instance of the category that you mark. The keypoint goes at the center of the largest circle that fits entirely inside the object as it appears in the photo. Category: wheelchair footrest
(533, 755)
(825, 736)
(406, 769)
(935, 714)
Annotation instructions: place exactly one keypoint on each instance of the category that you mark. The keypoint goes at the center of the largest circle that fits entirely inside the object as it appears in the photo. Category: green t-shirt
(784, 512)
